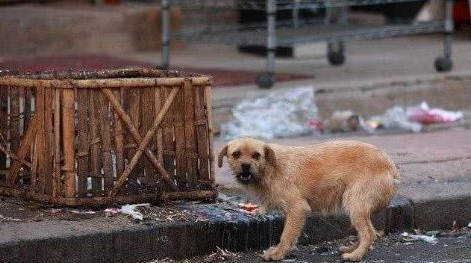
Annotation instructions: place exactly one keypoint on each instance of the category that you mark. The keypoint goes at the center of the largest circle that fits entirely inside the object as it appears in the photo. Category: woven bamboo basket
(100, 138)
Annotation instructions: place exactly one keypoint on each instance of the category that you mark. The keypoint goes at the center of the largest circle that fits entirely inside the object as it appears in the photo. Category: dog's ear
(269, 155)
(221, 155)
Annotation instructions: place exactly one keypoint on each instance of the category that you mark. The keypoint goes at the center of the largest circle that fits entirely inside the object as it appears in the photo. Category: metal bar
(165, 34)
(271, 36)
(449, 28)
(281, 4)
(342, 21)
(295, 13)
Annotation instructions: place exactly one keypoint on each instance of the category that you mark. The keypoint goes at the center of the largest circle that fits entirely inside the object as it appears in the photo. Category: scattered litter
(131, 210)
(165, 260)
(423, 114)
(278, 114)
(78, 212)
(343, 121)
(317, 125)
(410, 237)
(248, 207)
(55, 210)
(7, 218)
(220, 255)
(433, 233)
(396, 118)
(224, 198)
(371, 125)
(109, 212)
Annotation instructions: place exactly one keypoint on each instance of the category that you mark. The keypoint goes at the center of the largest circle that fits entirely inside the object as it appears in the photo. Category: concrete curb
(92, 241)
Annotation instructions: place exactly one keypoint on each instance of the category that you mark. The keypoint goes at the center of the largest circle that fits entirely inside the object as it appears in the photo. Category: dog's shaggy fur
(333, 177)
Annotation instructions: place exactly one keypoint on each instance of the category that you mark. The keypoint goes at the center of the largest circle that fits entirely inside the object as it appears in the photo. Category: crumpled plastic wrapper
(279, 114)
(396, 118)
(423, 114)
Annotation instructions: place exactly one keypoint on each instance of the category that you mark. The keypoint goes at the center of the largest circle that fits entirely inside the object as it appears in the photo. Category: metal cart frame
(272, 27)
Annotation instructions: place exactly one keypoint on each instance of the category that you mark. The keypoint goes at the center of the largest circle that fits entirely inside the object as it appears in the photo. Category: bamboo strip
(23, 149)
(38, 174)
(147, 116)
(168, 142)
(158, 102)
(68, 135)
(95, 154)
(14, 156)
(180, 160)
(3, 122)
(143, 144)
(47, 166)
(100, 201)
(135, 134)
(83, 160)
(133, 107)
(133, 72)
(202, 135)
(57, 183)
(119, 140)
(101, 83)
(209, 114)
(106, 143)
(15, 136)
(189, 95)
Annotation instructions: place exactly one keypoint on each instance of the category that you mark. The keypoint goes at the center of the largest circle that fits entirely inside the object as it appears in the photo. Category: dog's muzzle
(245, 177)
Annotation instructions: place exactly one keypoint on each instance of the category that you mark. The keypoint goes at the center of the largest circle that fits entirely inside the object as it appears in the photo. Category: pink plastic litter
(424, 115)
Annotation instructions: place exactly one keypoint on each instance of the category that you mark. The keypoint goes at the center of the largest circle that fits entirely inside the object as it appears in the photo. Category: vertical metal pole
(296, 13)
(328, 21)
(271, 36)
(449, 28)
(165, 34)
(342, 20)
(469, 5)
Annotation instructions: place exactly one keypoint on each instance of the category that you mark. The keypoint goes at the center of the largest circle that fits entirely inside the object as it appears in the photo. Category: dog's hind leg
(366, 234)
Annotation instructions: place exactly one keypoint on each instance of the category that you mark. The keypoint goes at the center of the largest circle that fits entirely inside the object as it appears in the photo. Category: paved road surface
(452, 247)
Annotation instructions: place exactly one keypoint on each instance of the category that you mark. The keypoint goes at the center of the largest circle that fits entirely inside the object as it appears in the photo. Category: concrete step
(79, 28)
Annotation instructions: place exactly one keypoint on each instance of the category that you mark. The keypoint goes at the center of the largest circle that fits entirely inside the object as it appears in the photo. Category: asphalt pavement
(452, 247)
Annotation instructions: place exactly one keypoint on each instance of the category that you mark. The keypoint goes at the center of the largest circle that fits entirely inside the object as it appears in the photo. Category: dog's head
(248, 159)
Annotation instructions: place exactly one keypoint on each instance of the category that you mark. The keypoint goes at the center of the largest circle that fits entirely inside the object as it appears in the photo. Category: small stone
(321, 250)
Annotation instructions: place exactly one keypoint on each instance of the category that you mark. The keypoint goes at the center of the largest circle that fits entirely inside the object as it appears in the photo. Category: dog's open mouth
(245, 177)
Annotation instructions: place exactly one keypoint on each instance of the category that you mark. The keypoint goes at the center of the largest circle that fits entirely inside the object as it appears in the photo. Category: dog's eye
(256, 155)
(236, 154)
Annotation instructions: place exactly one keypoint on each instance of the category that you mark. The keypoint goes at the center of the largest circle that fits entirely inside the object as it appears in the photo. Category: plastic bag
(396, 118)
(279, 114)
(424, 115)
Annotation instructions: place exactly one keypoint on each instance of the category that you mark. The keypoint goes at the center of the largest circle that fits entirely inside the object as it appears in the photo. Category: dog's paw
(345, 249)
(274, 253)
(353, 257)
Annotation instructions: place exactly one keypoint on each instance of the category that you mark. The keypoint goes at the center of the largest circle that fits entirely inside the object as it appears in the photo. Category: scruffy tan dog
(334, 177)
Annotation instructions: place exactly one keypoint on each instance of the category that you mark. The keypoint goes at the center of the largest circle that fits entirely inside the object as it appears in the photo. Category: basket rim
(115, 78)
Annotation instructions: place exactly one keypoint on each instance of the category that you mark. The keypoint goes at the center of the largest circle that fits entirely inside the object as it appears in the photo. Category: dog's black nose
(245, 167)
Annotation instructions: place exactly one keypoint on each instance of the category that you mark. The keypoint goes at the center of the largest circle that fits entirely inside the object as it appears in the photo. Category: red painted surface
(96, 62)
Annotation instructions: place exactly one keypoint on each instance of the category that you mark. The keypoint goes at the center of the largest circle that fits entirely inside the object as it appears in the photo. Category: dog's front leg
(295, 219)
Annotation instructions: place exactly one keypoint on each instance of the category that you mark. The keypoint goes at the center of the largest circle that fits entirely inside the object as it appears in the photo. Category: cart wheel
(443, 64)
(265, 80)
(336, 58)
